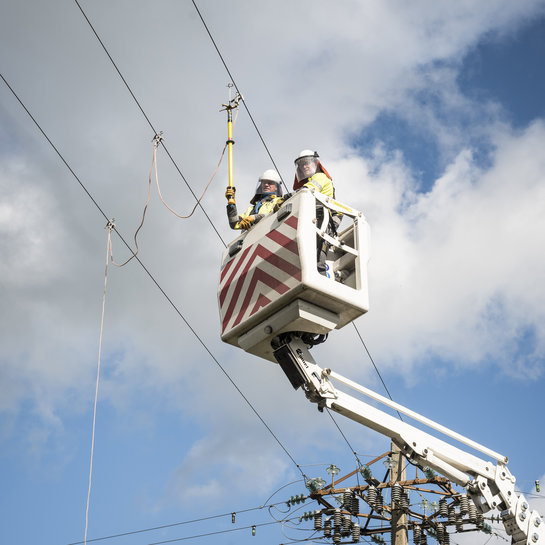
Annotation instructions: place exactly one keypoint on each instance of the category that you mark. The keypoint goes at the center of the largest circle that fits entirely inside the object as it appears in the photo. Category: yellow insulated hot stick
(230, 143)
(233, 104)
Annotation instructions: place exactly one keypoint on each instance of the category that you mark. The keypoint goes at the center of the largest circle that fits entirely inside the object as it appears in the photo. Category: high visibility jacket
(322, 183)
(261, 208)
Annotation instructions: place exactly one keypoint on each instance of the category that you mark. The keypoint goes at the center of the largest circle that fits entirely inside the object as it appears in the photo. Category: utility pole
(400, 531)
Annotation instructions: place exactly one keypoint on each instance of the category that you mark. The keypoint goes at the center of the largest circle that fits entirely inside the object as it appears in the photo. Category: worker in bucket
(311, 173)
(267, 199)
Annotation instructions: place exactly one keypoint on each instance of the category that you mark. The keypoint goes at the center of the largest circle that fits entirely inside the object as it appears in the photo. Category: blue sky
(431, 120)
(505, 70)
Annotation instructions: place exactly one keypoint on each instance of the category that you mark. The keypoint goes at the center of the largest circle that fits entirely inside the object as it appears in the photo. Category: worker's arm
(244, 221)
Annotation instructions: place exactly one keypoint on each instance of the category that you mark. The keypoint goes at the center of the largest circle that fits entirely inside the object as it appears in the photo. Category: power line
(251, 527)
(374, 365)
(344, 437)
(238, 91)
(155, 132)
(177, 310)
(174, 524)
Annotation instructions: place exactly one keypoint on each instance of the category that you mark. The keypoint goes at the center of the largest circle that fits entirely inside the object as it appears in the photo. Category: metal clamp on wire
(157, 139)
(233, 102)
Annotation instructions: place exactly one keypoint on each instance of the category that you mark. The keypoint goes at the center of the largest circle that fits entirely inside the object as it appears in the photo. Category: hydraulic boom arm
(490, 484)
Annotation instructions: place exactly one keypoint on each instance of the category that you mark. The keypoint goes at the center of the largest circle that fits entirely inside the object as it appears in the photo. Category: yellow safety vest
(266, 208)
(322, 183)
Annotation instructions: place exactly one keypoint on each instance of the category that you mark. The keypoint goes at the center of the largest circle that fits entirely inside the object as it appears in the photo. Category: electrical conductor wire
(374, 365)
(165, 526)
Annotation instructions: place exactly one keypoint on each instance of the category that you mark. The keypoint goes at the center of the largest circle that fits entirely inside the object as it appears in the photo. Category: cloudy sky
(431, 118)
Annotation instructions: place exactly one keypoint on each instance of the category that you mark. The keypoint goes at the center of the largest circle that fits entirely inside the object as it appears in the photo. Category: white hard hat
(268, 176)
(271, 175)
(307, 153)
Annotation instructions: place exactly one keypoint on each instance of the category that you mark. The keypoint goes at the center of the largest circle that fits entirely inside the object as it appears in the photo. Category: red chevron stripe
(259, 276)
(239, 260)
(284, 241)
(292, 221)
(262, 301)
(266, 255)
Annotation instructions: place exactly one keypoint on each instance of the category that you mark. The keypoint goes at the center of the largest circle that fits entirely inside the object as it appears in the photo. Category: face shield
(268, 187)
(305, 167)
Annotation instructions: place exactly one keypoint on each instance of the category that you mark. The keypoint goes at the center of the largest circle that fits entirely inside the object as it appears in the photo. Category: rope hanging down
(109, 226)
(157, 139)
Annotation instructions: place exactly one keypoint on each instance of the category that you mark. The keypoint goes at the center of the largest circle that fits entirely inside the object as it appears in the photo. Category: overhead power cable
(182, 523)
(345, 438)
(155, 132)
(238, 91)
(374, 365)
(176, 309)
(252, 527)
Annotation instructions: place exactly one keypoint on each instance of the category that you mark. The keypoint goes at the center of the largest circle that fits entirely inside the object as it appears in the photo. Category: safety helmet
(307, 164)
(271, 175)
(268, 178)
(307, 153)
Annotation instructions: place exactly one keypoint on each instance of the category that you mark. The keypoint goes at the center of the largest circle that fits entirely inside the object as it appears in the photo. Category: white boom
(489, 484)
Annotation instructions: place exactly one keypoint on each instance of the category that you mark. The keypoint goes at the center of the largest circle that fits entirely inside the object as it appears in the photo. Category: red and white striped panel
(259, 274)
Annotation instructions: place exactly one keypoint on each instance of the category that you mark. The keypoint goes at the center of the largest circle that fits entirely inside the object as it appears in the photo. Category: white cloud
(455, 272)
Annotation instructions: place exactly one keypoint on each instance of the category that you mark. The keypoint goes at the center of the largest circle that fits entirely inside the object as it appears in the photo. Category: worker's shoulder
(320, 176)
(320, 179)
(322, 183)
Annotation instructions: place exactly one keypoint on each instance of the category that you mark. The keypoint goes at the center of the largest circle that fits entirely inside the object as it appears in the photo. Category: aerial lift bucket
(270, 284)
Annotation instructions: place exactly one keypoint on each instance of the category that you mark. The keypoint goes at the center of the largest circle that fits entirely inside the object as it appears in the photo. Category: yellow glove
(247, 222)
(230, 194)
